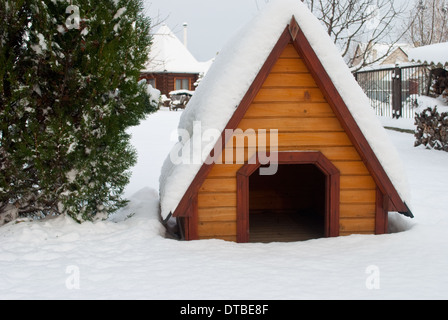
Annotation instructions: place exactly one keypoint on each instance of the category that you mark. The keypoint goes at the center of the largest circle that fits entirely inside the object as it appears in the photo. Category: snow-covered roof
(168, 54)
(233, 72)
(383, 50)
(434, 54)
(380, 53)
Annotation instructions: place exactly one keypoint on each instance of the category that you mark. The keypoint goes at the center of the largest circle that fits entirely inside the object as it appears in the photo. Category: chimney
(185, 34)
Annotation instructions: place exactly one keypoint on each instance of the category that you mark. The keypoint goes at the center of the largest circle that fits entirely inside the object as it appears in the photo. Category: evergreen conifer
(69, 90)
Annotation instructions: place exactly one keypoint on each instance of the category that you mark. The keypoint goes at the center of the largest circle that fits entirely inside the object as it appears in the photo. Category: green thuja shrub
(68, 92)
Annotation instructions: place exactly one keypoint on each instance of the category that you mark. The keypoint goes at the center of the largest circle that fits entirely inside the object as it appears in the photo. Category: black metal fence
(393, 91)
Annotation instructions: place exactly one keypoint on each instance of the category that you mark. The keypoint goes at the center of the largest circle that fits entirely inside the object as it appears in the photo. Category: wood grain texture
(290, 65)
(329, 124)
(355, 225)
(217, 214)
(289, 109)
(289, 80)
(290, 95)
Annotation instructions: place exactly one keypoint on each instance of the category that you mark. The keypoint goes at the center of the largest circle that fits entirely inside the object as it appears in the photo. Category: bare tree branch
(427, 22)
(351, 22)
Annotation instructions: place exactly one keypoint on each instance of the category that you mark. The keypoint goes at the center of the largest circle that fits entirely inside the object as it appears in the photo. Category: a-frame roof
(237, 75)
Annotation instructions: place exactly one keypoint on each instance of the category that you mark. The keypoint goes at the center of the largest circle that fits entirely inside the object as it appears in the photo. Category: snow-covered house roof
(434, 54)
(381, 54)
(232, 74)
(169, 54)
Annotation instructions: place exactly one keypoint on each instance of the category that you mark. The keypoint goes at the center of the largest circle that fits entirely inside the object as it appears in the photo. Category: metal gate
(393, 91)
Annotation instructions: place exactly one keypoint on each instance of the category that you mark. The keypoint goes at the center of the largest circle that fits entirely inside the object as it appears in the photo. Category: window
(152, 82)
(182, 84)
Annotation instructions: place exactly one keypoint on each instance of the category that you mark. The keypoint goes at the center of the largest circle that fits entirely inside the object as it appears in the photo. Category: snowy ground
(130, 258)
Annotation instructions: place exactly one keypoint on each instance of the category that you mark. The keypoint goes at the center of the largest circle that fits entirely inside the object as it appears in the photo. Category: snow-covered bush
(151, 95)
(68, 93)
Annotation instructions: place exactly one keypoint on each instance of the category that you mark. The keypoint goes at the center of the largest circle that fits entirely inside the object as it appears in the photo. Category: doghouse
(336, 171)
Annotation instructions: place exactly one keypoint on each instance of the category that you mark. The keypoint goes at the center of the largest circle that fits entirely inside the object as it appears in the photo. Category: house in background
(171, 66)
(389, 78)
(380, 54)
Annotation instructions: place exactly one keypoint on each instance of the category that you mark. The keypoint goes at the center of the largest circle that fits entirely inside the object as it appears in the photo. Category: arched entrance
(299, 202)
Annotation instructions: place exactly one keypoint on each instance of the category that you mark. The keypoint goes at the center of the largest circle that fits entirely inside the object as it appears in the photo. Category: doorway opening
(287, 206)
(308, 177)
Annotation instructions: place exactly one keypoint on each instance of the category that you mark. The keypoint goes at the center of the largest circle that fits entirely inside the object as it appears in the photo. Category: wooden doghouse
(329, 180)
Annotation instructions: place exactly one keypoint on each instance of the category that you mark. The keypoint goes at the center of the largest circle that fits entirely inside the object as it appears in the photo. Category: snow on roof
(383, 50)
(231, 75)
(168, 54)
(379, 53)
(434, 54)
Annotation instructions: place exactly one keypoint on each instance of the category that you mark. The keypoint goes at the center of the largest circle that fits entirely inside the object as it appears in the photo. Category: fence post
(396, 93)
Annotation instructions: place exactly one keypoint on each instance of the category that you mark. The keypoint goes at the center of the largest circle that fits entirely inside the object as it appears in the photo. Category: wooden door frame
(332, 189)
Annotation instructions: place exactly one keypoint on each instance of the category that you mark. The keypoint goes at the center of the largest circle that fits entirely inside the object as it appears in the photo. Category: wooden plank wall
(291, 102)
(165, 82)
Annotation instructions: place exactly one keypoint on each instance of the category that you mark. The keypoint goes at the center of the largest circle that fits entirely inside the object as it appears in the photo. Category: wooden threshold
(270, 226)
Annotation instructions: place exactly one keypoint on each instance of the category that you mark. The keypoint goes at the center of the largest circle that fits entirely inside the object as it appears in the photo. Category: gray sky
(210, 22)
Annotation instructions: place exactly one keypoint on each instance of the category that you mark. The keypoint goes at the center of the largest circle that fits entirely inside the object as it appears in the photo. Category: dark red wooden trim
(333, 192)
(185, 227)
(191, 226)
(332, 189)
(293, 28)
(182, 207)
(346, 119)
(381, 212)
(242, 226)
(181, 225)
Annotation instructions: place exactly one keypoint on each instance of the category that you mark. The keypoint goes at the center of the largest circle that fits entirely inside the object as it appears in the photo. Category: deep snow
(129, 258)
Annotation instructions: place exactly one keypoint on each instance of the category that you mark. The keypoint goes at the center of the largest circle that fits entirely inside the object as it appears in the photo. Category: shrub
(68, 92)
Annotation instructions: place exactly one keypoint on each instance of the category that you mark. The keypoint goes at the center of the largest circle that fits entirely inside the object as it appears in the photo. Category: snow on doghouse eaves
(233, 72)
